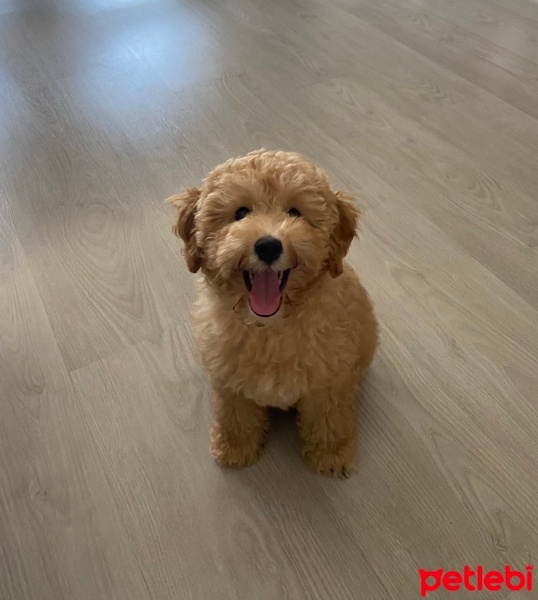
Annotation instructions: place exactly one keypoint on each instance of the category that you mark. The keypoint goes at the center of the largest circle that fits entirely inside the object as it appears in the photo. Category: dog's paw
(330, 462)
(232, 450)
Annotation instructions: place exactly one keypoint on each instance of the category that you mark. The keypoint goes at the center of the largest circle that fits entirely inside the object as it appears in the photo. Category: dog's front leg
(239, 430)
(328, 428)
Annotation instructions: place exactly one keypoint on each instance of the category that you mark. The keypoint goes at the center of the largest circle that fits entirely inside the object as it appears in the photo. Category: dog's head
(264, 228)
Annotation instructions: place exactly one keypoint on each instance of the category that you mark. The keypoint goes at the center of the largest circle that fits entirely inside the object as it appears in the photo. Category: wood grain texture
(11, 252)
(108, 296)
(491, 20)
(495, 69)
(62, 534)
(427, 112)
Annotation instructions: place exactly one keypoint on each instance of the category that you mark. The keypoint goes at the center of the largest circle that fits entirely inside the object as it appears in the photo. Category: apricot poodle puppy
(281, 320)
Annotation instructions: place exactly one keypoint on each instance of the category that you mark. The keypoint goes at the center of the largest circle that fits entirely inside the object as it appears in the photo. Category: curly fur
(313, 353)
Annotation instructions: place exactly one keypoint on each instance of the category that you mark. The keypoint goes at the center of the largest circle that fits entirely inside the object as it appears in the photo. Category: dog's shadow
(284, 424)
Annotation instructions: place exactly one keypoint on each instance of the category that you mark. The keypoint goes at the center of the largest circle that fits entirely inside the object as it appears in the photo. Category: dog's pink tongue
(265, 293)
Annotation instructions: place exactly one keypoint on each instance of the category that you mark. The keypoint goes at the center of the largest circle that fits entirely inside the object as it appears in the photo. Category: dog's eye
(241, 213)
(293, 212)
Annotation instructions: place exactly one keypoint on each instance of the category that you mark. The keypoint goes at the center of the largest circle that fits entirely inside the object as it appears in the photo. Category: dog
(281, 320)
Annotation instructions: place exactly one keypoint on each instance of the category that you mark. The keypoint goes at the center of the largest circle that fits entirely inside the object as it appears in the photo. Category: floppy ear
(344, 231)
(184, 226)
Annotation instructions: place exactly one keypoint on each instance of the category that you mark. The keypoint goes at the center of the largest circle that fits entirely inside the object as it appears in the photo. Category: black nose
(268, 249)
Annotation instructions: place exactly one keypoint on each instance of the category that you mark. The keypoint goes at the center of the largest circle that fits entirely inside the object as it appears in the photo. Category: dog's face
(263, 229)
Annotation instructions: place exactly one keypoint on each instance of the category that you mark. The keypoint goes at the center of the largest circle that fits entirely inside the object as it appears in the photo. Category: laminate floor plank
(497, 22)
(65, 150)
(357, 49)
(61, 534)
(11, 252)
(108, 278)
(480, 61)
(503, 139)
(522, 8)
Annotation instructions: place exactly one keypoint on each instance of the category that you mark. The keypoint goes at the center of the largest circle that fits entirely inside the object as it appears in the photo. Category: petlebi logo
(476, 579)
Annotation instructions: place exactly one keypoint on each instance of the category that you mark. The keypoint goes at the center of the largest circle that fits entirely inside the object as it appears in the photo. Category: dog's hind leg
(239, 430)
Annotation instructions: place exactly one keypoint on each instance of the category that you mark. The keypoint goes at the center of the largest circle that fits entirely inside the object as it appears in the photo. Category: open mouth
(265, 290)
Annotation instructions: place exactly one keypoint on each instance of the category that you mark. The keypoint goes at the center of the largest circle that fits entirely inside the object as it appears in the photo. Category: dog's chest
(272, 366)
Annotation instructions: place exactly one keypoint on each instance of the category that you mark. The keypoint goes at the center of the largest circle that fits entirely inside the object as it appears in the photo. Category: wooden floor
(428, 111)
